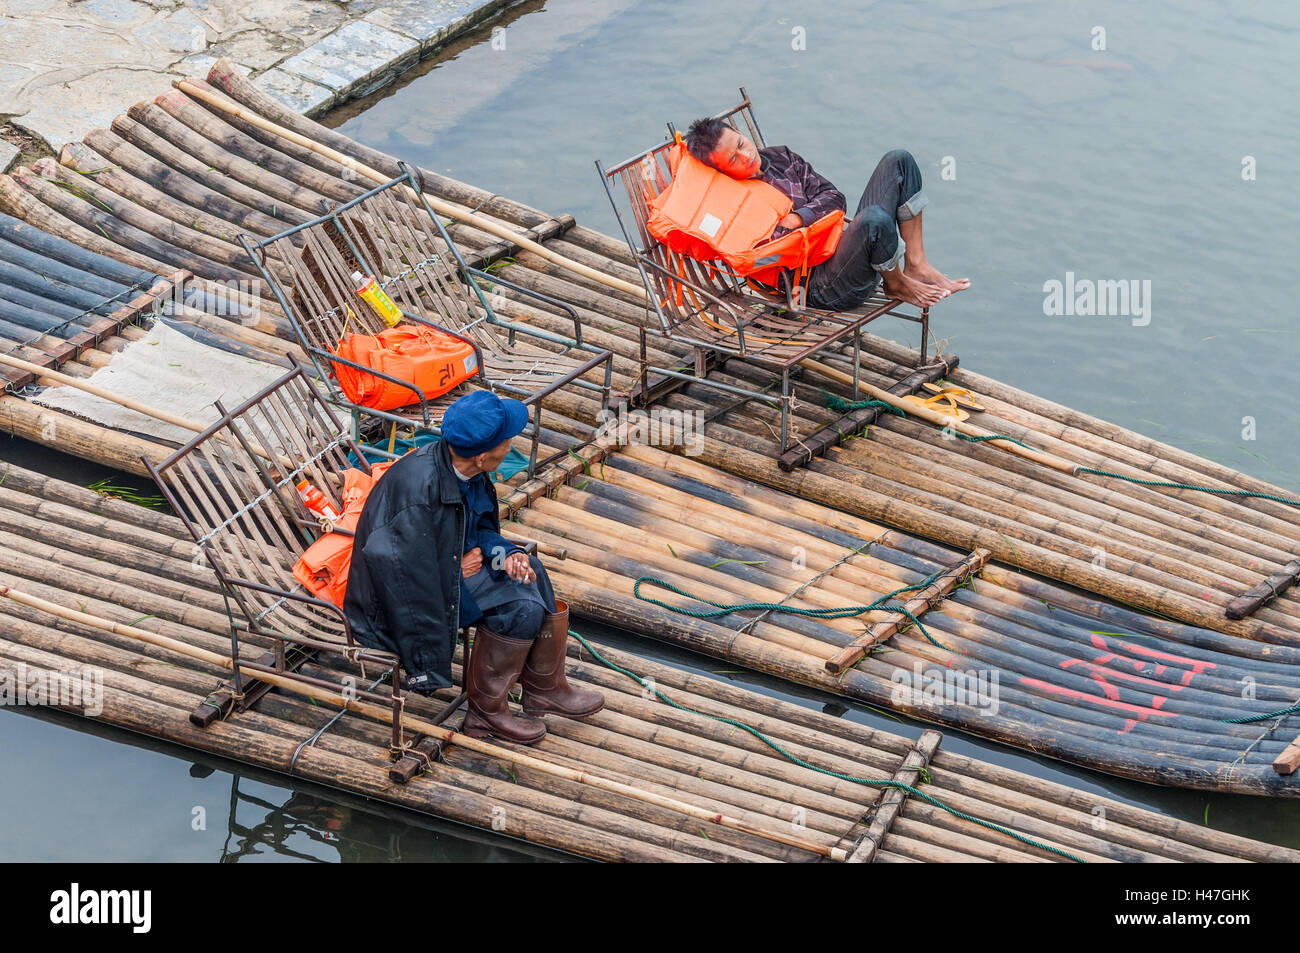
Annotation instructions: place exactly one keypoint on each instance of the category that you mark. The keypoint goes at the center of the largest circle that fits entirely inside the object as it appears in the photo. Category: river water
(1109, 142)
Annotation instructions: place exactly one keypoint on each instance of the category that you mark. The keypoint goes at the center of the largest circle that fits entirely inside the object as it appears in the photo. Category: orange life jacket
(323, 566)
(431, 360)
(708, 215)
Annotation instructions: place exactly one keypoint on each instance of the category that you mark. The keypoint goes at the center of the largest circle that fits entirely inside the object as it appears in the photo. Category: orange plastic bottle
(317, 502)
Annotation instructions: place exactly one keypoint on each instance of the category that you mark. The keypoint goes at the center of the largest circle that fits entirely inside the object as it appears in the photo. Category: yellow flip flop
(941, 403)
(961, 395)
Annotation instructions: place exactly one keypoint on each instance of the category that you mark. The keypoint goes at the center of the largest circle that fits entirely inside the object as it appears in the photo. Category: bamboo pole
(129, 403)
(350, 767)
(942, 420)
(223, 104)
(379, 713)
(281, 713)
(1085, 430)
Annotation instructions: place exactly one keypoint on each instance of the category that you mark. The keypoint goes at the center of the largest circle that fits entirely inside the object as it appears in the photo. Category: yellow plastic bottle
(377, 298)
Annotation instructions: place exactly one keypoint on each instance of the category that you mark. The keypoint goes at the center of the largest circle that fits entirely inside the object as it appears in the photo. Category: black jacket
(404, 589)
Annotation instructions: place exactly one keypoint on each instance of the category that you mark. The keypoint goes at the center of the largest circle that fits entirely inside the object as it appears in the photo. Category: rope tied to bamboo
(868, 782)
(829, 570)
(841, 405)
(1187, 486)
(881, 604)
(1251, 719)
(408, 749)
(130, 289)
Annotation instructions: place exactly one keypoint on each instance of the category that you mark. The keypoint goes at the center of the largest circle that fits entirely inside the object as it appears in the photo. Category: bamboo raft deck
(122, 562)
(175, 180)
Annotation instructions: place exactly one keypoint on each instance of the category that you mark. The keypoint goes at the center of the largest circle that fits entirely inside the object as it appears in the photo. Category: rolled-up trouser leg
(870, 243)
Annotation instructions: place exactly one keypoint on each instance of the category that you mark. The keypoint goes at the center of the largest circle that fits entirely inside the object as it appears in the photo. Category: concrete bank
(70, 66)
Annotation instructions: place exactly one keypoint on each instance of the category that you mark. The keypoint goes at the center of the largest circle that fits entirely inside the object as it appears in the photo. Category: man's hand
(519, 568)
(791, 221)
(471, 562)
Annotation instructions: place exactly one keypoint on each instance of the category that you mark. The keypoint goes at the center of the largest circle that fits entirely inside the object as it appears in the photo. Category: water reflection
(154, 801)
(300, 825)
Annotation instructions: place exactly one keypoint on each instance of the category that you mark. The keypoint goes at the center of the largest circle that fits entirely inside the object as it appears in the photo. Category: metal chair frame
(706, 305)
(440, 280)
(233, 486)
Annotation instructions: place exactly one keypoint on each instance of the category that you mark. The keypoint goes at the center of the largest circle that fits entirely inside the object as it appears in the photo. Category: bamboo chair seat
(234, 488)
(391, 234)
(706, 305)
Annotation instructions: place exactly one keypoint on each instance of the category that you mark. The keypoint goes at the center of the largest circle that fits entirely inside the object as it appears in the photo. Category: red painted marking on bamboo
(1099, 673)
(1140, 712)
(1106, 666)
(1176, 661)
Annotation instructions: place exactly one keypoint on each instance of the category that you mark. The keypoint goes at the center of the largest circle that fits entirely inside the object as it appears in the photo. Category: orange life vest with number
(426, 357)
(708, 215)
(323, 566)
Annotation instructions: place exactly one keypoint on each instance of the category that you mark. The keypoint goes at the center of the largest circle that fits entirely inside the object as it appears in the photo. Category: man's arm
(823, 197)
(496, 548)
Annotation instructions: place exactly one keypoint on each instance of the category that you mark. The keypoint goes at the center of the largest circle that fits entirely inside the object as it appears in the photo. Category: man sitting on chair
(429, 558)
(883, 240)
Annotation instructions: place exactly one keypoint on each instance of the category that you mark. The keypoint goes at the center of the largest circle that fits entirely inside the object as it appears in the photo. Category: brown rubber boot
(546, 690)
(494, 664)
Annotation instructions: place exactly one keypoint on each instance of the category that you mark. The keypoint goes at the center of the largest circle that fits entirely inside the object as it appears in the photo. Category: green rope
(837, 612)
(1188, 486)
(837, 403)
(993, 436)
(840, 405)
(870, 782)
(1253, 718)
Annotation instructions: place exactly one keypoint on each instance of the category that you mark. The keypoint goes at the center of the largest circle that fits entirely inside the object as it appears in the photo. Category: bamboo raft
(175, 180)
(133, 565)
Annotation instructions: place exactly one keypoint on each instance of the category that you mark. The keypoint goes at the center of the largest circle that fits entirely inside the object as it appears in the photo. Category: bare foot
(909, 289)
(926, 272)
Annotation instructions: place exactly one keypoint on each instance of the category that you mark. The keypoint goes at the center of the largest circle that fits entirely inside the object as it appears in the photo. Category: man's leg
(546, 689)
(868, 250)
(495, 663)
(915, 261)
(895, 185)
(893, 189)
(503, 641)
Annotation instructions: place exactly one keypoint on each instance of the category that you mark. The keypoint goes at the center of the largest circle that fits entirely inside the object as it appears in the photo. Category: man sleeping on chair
(883, 240)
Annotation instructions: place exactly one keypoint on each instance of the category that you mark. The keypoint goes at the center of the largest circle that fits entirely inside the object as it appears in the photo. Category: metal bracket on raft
(922, 600)
(1258, 596)
(424, 751)
(55, 355)
(225, 699)
(891, 803)
(854, 421)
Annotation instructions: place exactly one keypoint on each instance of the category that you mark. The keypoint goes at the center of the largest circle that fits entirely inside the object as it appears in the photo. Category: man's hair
(703, 136)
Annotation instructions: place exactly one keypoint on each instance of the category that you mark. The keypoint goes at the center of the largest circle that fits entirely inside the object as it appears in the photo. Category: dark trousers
(520, 618)
(870, 242)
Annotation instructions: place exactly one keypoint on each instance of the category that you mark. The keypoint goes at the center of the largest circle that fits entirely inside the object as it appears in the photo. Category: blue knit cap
(479, 421)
